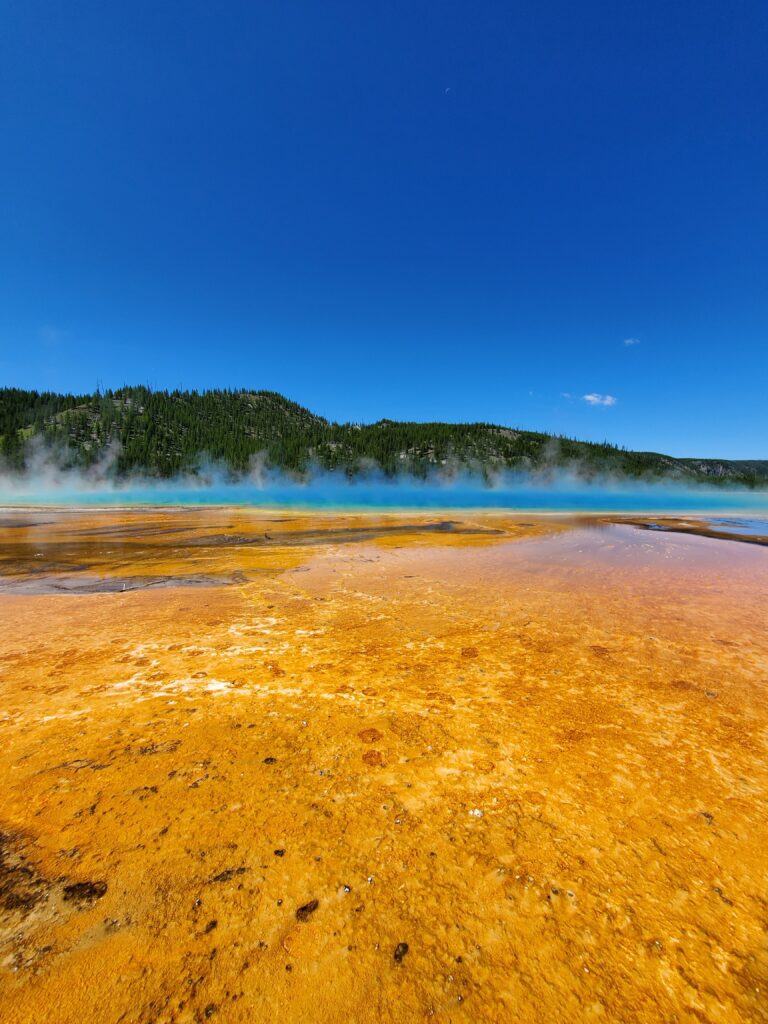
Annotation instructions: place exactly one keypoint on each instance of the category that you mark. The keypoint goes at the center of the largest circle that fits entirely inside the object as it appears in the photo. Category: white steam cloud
(549, 485)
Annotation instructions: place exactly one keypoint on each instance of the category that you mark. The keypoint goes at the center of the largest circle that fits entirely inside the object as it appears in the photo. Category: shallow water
(532, 750)
(742, 526)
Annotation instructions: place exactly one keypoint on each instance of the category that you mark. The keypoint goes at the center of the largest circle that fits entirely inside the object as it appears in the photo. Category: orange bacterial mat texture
(270, 767)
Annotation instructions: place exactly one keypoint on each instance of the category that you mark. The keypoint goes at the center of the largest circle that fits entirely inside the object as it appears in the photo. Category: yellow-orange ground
(533, 751)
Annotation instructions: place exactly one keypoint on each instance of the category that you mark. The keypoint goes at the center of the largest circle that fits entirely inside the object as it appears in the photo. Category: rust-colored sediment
(510, 771)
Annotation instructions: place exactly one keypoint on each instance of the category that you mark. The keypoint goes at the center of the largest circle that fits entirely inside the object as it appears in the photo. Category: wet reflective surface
(742, 526)
(467, 767)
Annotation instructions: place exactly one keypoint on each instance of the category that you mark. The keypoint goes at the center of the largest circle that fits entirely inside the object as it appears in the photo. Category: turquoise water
(407, 496)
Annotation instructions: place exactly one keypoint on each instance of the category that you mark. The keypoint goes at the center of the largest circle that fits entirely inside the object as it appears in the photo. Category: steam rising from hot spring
(46, 482)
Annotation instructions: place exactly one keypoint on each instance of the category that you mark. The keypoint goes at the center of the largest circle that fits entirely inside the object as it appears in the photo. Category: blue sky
(419, 210)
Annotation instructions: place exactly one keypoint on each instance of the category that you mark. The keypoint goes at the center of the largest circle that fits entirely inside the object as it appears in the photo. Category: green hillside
(162, 433)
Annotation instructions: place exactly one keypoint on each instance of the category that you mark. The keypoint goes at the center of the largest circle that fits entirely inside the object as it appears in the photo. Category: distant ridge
(164, 433)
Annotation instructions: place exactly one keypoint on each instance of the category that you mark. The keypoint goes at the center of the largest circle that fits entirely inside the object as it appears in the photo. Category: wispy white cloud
(52, 335)
(631, 341)
(594, 399)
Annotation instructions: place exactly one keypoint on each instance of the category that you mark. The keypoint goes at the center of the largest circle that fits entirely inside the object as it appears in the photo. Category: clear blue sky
(454, 210)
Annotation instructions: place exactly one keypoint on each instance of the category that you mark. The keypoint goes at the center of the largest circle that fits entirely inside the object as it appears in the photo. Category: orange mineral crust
(263, 766)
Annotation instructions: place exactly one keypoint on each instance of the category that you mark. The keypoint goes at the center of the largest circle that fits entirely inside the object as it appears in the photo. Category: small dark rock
(279, 853)
(224, 876)
(270, 760)
(211, 925)
(304, 913)
(400, 950)
(210, 1009)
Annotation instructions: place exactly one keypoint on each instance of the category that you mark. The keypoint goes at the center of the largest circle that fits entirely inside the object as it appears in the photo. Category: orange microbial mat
(263, 766)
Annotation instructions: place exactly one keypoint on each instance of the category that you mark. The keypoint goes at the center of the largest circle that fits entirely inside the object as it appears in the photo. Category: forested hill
(162, 433)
